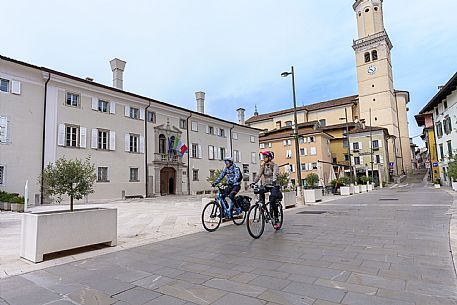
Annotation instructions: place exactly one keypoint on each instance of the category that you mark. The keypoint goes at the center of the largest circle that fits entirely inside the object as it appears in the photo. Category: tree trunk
(71, 203)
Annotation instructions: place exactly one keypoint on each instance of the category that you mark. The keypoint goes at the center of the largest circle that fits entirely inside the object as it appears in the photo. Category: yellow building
(425, 120)
(376, 96)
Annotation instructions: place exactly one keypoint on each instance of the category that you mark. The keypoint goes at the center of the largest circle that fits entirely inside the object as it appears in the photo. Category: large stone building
(443, 108)
(377, 96)
(430, 154)
(46, 114)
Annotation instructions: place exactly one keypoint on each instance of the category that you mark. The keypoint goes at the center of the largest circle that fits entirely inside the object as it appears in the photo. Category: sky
(233, 50)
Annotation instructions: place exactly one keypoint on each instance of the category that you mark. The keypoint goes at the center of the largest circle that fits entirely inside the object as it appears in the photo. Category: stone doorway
(167, 181)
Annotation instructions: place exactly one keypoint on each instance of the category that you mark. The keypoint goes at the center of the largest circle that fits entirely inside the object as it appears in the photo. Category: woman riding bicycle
(270, 170)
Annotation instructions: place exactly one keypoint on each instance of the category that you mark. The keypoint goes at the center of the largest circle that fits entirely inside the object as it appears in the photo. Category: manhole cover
(388, 199)
(312, 212)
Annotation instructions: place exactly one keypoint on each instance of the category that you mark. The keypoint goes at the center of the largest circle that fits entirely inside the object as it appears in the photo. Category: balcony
(168, 158)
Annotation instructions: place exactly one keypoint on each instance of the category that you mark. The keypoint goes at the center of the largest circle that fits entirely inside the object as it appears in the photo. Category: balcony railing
(167, 158)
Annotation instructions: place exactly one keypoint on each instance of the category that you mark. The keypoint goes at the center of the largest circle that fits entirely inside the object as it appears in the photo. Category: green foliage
(344, 181)
(365, 179)
(217, 173)
(74, 178)
(283, 180)
(11, 198)
(452, 172)
(312, 179)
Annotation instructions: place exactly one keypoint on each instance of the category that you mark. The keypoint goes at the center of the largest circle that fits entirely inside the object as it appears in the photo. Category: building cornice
(372, 39)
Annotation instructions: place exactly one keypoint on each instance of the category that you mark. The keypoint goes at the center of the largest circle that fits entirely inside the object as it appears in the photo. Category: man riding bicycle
(234, 178)
(270, 171)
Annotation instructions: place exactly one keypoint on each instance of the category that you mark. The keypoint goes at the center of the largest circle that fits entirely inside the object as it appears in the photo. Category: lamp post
(300, 199)
(371, 152)
(349, 144)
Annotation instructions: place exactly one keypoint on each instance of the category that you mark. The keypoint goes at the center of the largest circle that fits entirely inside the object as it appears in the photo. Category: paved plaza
(386, 247)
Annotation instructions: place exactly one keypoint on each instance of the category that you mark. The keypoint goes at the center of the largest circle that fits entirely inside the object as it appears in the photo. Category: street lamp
(295, 131)
(347, 138)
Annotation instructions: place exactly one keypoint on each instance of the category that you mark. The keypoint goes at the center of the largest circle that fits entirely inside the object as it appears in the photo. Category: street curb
(453, 228)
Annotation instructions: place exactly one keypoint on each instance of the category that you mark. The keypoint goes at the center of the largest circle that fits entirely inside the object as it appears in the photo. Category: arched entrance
(167, 181)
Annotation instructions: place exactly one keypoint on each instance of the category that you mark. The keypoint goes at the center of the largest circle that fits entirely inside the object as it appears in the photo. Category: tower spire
(255, 110)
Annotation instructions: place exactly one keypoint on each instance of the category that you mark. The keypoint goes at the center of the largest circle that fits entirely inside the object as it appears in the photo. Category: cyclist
(234, 178)
(270, 170)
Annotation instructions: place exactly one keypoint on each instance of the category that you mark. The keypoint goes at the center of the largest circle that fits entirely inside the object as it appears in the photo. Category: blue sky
(233, 50)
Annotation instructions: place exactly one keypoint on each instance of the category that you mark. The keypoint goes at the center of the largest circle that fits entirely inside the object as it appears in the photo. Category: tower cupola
(369, 17)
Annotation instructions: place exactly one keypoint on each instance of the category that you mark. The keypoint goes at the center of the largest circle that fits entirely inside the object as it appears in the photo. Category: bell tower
(375, 80)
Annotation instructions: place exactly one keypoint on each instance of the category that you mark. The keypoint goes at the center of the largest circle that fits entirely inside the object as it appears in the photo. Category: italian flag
(179, 147)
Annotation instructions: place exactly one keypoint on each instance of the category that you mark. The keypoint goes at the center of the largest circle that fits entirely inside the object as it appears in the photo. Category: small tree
(312, 179)
(452, 171)
(216, 175)
(283, 180)
(74, 178)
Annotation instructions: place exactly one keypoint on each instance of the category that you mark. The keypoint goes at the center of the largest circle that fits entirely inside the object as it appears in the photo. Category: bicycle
(260, 212)
(213, 212)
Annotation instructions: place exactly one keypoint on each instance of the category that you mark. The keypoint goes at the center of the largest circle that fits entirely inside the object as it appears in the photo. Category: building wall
(21, 155)
(365, 153)
(439, 114)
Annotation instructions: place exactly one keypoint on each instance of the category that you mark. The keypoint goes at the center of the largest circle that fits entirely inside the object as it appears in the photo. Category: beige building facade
(377, 104)
(129, 138)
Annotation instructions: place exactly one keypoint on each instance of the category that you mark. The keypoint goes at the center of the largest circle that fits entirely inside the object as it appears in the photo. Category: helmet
(269, 154)
(228, 159)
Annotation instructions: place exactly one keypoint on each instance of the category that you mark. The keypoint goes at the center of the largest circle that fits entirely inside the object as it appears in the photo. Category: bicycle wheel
(211, 216)
(256, 221)
(238, 219)
(280, 217)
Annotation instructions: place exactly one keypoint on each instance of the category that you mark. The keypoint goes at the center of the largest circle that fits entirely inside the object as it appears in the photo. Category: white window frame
(71, 96)
(134, 113)
(76, 135)
(100, 144)
(195, 173)
(211, 152)
(194, 126)
(182, 123)
(313, 151)
(137, 174)
(253, 158)
(103, 106)
(234, 135)
(107, 174)
(134, 143)
(252, 139)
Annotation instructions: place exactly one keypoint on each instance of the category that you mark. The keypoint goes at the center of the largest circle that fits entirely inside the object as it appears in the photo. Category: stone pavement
(386, 247)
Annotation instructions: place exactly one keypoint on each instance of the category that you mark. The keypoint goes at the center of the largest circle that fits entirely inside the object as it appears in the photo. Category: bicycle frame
(220, 199)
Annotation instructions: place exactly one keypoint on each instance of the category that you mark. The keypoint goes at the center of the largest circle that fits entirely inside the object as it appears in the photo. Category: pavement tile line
(453, 228)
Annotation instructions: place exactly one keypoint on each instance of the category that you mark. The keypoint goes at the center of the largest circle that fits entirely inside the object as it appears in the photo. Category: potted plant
(364, 181)
(345, 188)
(5, 199)
(17, 204)
(53, 231)
(289, 197)
(312, 194)
(452, 172)
(437, 183)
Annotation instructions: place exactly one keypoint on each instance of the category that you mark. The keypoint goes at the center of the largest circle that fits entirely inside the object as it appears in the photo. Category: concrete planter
(437, 186)
(17, 207)
(370, 187)
(454, 186)
(363, 188)
(345, 190)
(6, 206)
(357, 189)
(313, 196)
(289, 199)
(50, 232)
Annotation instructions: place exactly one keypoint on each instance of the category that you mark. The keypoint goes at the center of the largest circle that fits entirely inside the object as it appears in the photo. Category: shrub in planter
(17, 204)
(452, 172)
(312, 180)
(344, 181)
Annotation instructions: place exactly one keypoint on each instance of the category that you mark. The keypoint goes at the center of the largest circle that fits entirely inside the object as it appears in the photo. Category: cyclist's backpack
(244, 202)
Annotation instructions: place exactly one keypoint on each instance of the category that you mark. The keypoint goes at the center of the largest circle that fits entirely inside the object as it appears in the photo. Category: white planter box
(437, 186)
(312, 196)
(289, 199)
(50, 232)
(356, 189)
(345, 190)
(363, 188)
(454, 186)
(370, 187)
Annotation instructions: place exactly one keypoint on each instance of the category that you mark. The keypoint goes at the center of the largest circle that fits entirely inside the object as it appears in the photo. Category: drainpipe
(188, 154)
(399, 136)
(231, 141)
(44, 137)
(146, 167)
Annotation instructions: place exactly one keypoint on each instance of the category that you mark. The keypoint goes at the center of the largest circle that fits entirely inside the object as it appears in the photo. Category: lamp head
(285, 74)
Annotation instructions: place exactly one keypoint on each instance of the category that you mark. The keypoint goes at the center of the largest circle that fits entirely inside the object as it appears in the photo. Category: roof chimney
(256, 113)
(118, 66)
(241, 115)
(200, 96)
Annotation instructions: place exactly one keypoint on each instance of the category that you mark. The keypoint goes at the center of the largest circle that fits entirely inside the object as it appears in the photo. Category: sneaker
(277, 226)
